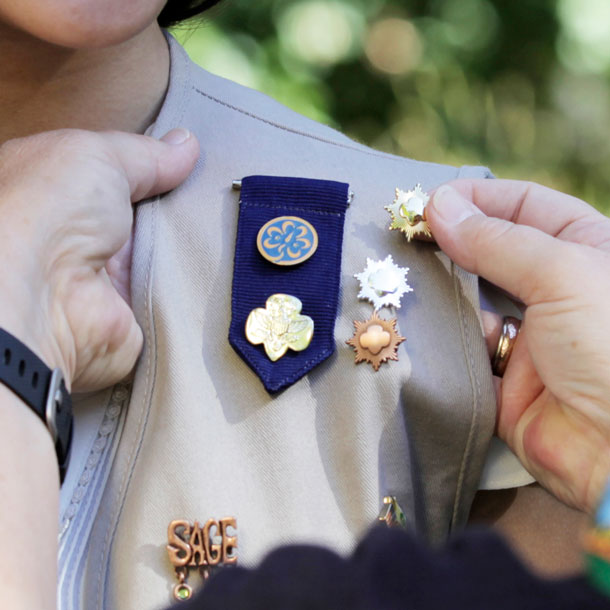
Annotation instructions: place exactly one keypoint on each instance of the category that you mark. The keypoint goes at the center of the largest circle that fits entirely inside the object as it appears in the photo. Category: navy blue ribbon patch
(289, 243)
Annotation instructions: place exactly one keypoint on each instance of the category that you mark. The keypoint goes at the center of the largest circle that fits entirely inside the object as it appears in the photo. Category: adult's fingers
(153, 166)
(537, 206)
(520, 259)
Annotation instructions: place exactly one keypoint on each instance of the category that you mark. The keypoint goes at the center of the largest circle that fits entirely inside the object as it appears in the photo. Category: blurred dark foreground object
(391, 570)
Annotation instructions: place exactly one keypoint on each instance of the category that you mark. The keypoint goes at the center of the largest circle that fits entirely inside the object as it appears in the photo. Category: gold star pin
(375, 340)
(408, 212)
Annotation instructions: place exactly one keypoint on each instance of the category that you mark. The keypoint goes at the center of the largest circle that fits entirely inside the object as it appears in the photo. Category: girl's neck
(45, 87)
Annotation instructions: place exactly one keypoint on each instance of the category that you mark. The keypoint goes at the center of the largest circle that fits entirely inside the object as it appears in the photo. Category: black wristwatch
(42, 389)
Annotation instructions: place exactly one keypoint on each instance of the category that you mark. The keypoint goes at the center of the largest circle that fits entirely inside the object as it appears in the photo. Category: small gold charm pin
(391, 514)
(408, 212)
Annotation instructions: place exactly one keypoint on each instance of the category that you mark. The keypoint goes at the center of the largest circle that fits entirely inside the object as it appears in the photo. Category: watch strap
(42, 389)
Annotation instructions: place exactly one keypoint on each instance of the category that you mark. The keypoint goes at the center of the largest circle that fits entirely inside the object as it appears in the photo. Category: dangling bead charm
(182, 591)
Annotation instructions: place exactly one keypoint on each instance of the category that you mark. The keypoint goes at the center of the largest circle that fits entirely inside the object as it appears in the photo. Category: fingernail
(451, 206)
(177, 136)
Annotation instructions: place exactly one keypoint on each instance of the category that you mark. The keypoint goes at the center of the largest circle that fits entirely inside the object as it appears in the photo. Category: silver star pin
(383, 283)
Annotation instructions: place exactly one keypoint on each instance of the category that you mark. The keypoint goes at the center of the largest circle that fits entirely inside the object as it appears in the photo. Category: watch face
(62, 421)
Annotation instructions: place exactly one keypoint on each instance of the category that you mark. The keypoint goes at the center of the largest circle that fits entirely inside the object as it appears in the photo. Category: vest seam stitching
(305, 134)
(316, 211)
(151, 364)
(109, 537)
(474, 385)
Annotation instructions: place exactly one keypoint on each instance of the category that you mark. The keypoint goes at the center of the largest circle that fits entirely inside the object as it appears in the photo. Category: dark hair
(179, 10)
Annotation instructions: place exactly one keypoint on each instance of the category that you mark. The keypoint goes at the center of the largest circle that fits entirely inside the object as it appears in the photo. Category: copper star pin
(375, 340)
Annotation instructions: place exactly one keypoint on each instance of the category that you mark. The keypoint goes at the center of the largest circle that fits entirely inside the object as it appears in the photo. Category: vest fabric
(195, 435)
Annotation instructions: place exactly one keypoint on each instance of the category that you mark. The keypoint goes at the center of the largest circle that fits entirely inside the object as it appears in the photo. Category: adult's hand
(552, 252)
(65, 220)
(65, 205)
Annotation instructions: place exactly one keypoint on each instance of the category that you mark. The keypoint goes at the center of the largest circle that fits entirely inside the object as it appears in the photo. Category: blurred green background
(520, 86)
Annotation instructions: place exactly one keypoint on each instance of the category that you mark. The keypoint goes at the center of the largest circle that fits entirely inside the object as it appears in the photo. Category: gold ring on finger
(506, 343)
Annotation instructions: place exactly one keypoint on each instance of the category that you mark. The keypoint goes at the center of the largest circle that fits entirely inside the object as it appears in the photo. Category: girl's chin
(81, 24)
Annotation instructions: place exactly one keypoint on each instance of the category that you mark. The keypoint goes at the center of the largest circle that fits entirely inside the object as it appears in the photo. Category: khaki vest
(195, 436)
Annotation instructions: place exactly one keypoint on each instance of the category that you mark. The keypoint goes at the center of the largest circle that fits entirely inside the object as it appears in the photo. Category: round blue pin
(287, 240)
